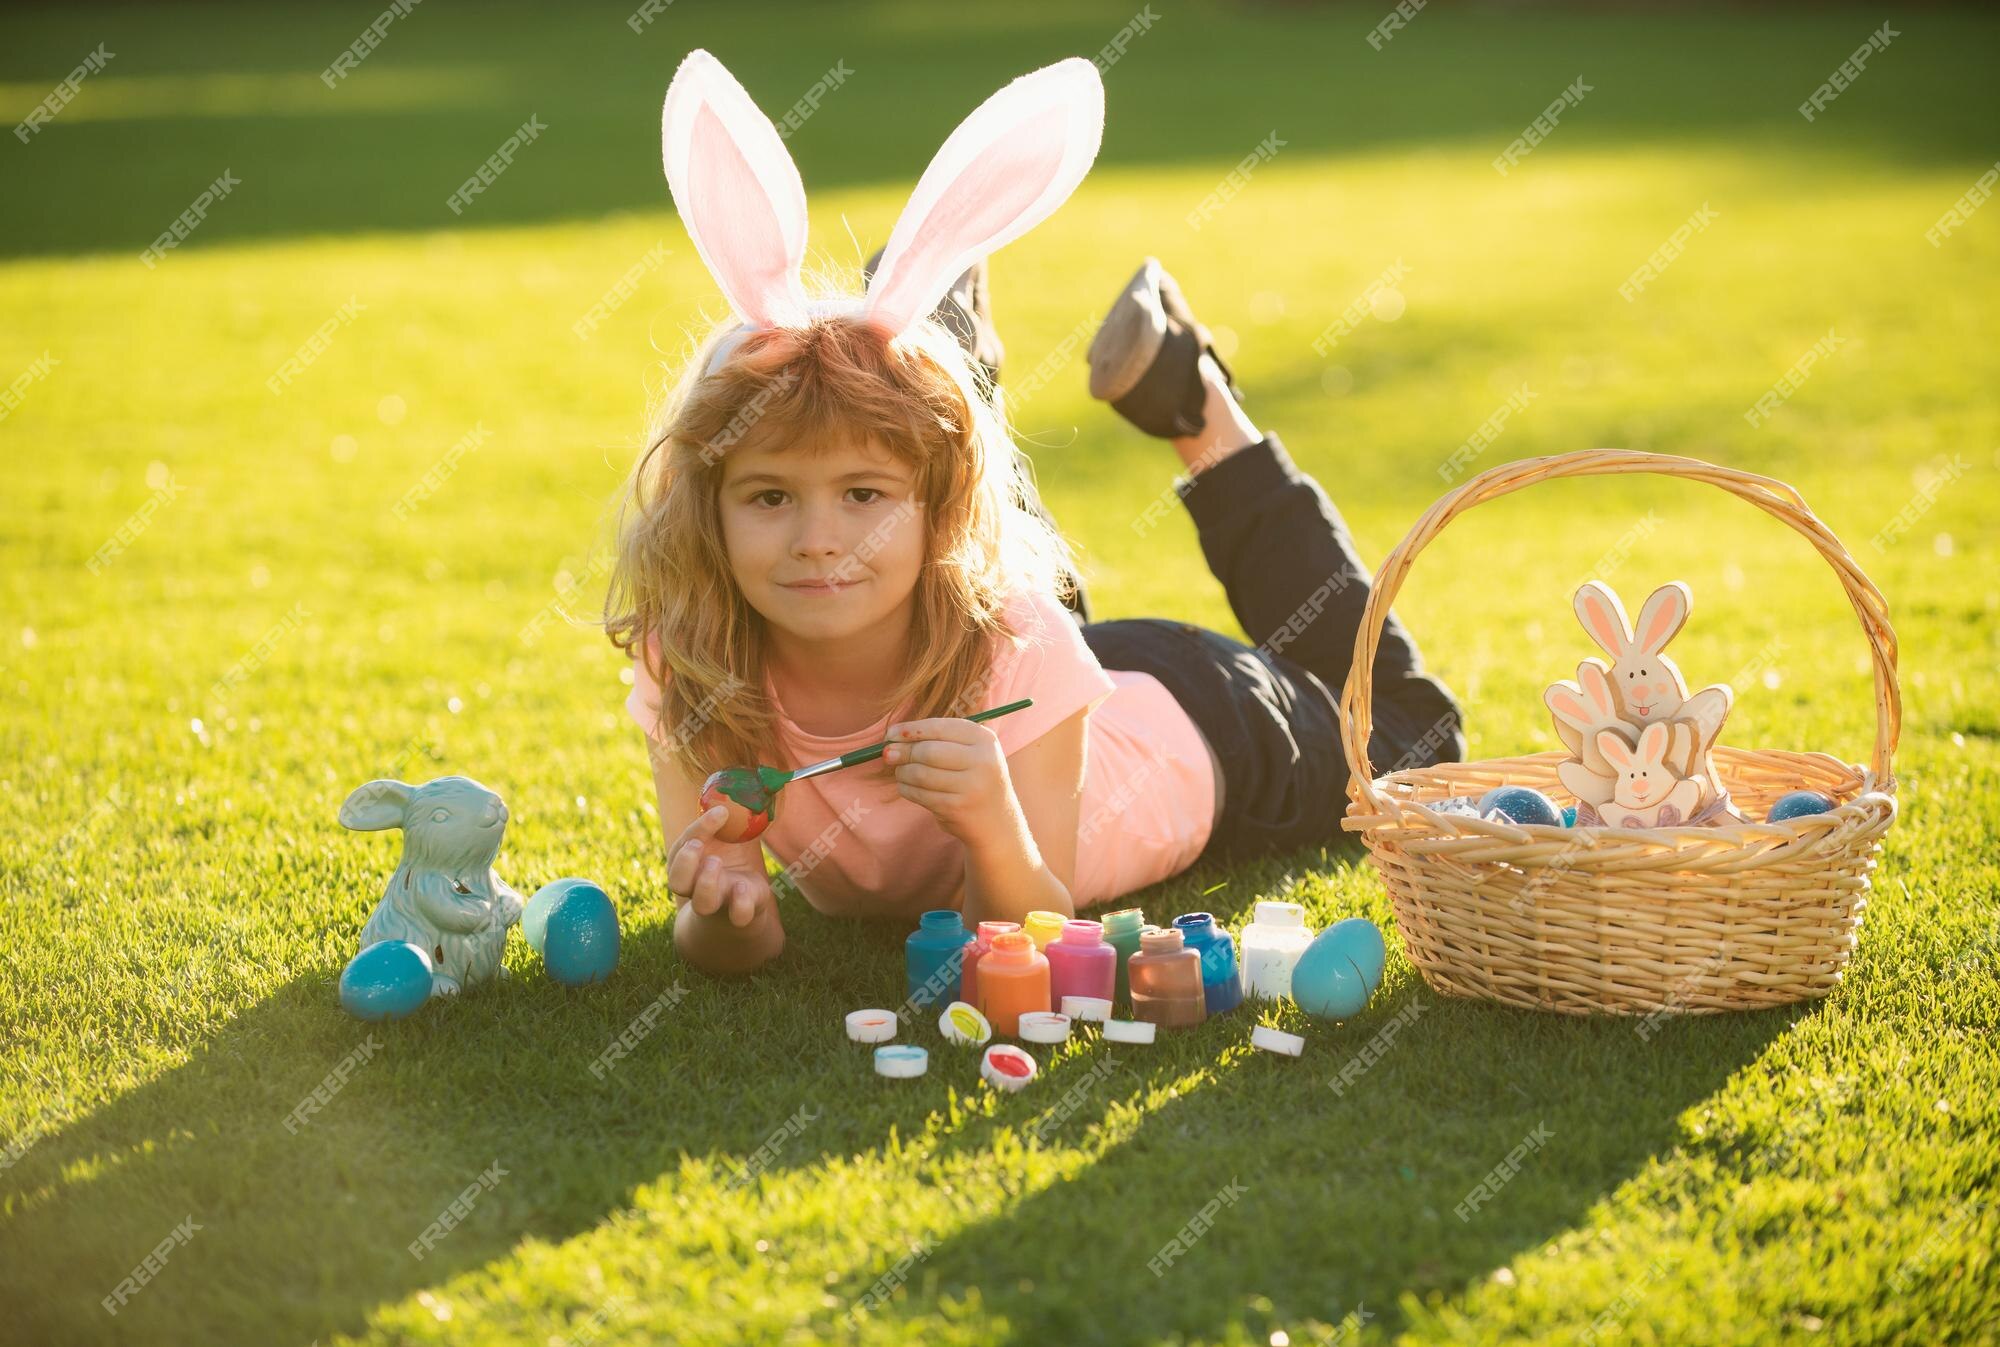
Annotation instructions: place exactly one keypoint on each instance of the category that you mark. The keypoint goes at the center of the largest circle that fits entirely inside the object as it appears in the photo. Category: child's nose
(817, 536)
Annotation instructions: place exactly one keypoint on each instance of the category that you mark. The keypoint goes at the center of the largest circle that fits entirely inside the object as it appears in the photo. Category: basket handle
(1767, 494)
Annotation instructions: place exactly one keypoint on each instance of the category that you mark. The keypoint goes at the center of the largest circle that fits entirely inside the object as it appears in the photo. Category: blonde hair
(836, 380)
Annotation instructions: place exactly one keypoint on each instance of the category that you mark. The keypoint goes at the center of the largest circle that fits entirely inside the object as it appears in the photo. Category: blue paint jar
(933, 956)
(1221, 979)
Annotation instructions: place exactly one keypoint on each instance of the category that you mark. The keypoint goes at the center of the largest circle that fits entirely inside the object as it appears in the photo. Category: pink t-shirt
(857, 848)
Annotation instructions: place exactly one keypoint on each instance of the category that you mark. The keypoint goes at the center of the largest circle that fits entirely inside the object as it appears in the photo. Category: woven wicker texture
(1628, 921)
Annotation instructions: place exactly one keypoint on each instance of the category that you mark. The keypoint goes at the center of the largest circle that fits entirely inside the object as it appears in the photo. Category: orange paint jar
(1013, 979)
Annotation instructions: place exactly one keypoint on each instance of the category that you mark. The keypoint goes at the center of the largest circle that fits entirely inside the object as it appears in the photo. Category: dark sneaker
(1144, 360)
(967, 314)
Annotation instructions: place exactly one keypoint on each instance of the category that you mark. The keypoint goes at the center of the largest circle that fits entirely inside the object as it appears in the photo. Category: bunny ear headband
(1003, 171)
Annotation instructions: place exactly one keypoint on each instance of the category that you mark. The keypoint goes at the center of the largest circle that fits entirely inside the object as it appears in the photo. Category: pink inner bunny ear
(1653, 741)
(1603, 617)
(1614, 748)
(1663, 614)
(737, 190)
(1002, 172)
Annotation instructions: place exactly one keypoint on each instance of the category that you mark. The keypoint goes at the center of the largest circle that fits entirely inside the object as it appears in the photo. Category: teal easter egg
(386, 981)
(535, 916)
(580, 936)
(1798, 804)
(1521, 804)
(1569, 817)
(1340, 970)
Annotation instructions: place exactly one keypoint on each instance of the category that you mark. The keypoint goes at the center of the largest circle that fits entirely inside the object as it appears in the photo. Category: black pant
(1286, 562)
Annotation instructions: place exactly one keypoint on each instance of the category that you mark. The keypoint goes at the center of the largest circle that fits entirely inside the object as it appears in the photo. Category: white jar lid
(1043, 1026)
(871, 1026)
(901, 1061)
(1272, 913)
(1006, 1067)
(1276, 1040)
(1130, 1031)
(963, 1024)
(1086, 1008)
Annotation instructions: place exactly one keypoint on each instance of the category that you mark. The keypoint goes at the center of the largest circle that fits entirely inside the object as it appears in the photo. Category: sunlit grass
(179, 899)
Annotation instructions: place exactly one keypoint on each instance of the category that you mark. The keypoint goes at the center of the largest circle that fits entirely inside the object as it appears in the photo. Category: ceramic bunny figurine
(1647, 684)
(444, 896)
(1647, 792)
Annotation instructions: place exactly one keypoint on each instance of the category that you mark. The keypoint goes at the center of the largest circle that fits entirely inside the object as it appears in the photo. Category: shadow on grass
(1321, 1199)
(200, 89)
(305, 1216)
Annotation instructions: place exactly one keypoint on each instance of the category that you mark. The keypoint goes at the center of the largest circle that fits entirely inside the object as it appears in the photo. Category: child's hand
(701, 873)
(955, 769)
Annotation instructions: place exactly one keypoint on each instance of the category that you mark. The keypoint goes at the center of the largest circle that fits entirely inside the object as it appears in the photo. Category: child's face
(824, 545)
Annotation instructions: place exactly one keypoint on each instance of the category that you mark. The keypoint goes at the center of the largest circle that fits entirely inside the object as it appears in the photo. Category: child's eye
(871, 494)
(769, 499)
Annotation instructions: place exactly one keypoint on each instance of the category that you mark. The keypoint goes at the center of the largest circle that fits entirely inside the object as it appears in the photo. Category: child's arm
(728, 917)
(1017, 817)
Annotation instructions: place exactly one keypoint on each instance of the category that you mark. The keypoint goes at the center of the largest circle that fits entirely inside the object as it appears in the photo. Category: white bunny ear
(1614, 748)
(737, 191)
(1003, 171)
(1665, 612)
(1591, 680)
(1603, 617)
(1567, 703)
(376, 805)
(1653, 742)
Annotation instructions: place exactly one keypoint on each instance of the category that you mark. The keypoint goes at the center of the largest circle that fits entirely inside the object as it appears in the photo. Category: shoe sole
(1130, 336)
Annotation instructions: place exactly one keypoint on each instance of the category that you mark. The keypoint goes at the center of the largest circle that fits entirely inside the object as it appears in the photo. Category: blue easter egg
(1340, 970)
(580, 936)
(1798, 804)
(535, 916)
(1569, 817)
(386, 981)
(1521, 804)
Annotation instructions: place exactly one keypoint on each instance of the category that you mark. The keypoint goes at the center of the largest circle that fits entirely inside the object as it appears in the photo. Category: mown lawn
(181, 721)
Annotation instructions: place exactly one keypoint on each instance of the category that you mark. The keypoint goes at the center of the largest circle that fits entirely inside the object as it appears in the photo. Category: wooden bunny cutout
(1647, 792)
(1641, 747)
(1646, 683)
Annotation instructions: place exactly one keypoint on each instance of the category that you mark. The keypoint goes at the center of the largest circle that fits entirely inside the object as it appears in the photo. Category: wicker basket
(1628, 921)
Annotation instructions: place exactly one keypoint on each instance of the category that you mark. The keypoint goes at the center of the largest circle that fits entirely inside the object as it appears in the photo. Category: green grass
(179, 900)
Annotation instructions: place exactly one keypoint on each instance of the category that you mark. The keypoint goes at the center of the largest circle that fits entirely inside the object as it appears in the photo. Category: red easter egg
(749, 805)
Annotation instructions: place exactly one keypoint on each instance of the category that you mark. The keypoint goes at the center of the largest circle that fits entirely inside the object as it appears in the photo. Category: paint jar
(1042, 927)
(932, 955)
(968, 977)
(1121, 932)
(1166, 980)
(1013, 977)
(1080, 963)
(1221, 979)
(1272, 944)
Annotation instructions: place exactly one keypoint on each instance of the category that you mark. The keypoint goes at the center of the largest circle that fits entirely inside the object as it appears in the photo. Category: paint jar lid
(1006, 1067)
(1086, 1008)
(1280, 914)
(1043, 1026)
(871, 1026)
(1276, 1040)
(962, 1024)
(1130, 1031)
(901, 1061)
